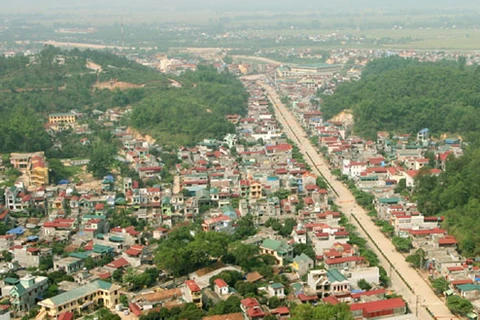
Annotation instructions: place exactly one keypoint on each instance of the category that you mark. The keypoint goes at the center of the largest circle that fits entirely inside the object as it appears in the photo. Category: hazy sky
(241, 5)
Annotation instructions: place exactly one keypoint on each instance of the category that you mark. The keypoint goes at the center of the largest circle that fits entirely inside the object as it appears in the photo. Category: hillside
(456, 195)
(396, 94)
(59, 81)
(187, 115)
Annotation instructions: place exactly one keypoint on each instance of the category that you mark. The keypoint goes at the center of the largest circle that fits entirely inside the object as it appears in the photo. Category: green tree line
(396, 94)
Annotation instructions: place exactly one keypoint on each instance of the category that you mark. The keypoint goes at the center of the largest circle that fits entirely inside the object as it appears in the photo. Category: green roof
(296, 286)
(276, 245)
(98, 248)
(11, 280)
(468, 287)
(370, 178)
(60, 114)
(79, 292)
(389, 200)
(318, 65)
(335, 276)
(115, 239)
(276, 285)
(80, 255)
(303, 258)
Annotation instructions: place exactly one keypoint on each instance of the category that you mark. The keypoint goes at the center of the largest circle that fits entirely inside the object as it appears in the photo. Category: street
(413, 288)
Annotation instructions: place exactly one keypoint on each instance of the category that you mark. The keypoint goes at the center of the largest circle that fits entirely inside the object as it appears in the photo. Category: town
(288, 213)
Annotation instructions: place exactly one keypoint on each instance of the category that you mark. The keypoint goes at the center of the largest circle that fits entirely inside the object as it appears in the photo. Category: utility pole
(416, 305)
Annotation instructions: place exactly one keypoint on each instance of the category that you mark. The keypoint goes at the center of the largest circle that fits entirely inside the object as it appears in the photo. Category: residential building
(378, 309)
(24, 292)
(276, 290)
(251, 309)
(193, 293)
(69, 265)
(302, 263)
(81, 299)
(220, 287)
(279, 249)
(62, 118)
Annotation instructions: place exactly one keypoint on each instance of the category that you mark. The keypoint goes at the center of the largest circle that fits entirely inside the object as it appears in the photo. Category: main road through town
(421, 299)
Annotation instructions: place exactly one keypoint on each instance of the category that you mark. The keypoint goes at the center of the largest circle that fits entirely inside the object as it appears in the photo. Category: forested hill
(456, 195)
(59, 81)
(396, 94)
(187, 115)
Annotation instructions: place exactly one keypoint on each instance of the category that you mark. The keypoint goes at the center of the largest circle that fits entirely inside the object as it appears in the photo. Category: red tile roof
(426, 232)
(250, 303)
(66, 316)
(117, 264)
(447, 240)
(382, 305)
(281, 311)
(344, 259)
(135, 309)
(255, 312)
(368, 293)
(220, 283)
(192, 285)
(462, 281)
(331, 300)
(303, 297)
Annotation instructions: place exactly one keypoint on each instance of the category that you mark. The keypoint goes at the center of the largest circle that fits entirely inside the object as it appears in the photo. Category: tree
(459, 305)
(46, 263)
(417, 259)
(402, 244)
(89, 263)
(231, 305)
(124, 300)
(244, 288)
(364, 285)
(101, 159)
(340, 311)
(274, 302)
(7, 256)
(106, 314)
(229, 276)
(440, 285)
(244, 255)
(299, 248)
(51, 291)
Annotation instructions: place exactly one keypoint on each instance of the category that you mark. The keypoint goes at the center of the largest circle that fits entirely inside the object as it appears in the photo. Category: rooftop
(77, 293)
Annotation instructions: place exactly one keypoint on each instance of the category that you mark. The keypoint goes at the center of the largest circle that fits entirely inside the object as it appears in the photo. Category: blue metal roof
(17, 230)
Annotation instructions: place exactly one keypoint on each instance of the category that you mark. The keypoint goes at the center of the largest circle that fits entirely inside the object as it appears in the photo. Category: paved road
(413, 288)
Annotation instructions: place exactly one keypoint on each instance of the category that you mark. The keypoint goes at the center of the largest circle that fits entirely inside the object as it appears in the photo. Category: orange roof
(220, 283)
(192, 285)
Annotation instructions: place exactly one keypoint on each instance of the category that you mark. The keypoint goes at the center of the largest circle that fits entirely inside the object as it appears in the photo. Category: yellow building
(62, 118)
(38, 173)
(81, 299)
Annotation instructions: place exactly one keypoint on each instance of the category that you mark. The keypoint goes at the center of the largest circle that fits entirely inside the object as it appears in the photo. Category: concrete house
(220, 287)
(81, 299)
(279, 249)
(302, 263)
(25, 292)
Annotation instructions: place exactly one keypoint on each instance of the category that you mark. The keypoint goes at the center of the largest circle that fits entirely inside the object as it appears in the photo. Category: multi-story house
(81, 299)
(16, 198)
(24, 292)
(193, 293)
(279, 249)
